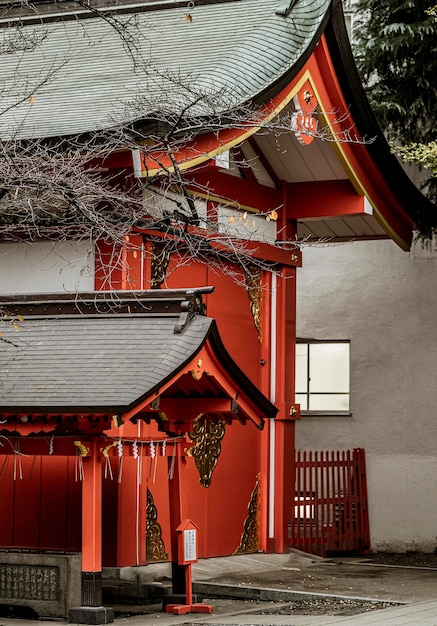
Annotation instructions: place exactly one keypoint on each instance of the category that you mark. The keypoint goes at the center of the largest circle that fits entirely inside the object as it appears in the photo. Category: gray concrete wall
(385, 301)
(46, 267)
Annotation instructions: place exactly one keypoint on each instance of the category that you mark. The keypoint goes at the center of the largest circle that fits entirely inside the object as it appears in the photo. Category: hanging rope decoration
(81, 451)
(17, 463)
(135, 454)
(18, 470)
(120, 456)
(171, 469)
(108, 467)
(155, 463)
(156, 449)
(152, 451)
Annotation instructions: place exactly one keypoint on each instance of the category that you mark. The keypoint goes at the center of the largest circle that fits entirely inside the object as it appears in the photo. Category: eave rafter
(288, 256)
(264, 161)
(215, 184)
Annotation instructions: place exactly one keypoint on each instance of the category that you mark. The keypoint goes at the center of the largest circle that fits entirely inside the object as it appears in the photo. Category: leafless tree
(62, 188)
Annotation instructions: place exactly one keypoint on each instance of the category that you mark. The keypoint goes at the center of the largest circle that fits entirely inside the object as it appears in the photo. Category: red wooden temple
(155, 398)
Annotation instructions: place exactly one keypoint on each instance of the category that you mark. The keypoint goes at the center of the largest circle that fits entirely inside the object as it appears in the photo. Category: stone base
(48, 584)
(91, 615)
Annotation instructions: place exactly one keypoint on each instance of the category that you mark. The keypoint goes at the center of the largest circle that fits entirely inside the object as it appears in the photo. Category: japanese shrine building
(157, 384)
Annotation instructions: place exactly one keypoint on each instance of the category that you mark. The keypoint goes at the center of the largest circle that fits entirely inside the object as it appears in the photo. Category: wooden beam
(287, 255)
(213, 183)
(324, 199)
(183, 407)
(265, 162)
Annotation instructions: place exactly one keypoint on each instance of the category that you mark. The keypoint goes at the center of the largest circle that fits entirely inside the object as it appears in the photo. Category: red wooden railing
(330, 512)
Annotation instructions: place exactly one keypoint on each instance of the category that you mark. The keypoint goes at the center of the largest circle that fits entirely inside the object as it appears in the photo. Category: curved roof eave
(224, 367)
(248, 58)
(419, 209)
(105, 353)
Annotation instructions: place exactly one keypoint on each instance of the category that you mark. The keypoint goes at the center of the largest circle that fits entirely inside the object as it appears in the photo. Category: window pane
(302, 399)
(329, 367)
(301, 367)
(329, 402)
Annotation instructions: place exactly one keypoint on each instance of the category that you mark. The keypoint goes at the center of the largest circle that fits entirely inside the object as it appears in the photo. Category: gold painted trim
(350, 172)
(237, 140)
(160, 258)
(353, 176)
(207, 435)
(252, 278)
(155, 547)
(250, 539)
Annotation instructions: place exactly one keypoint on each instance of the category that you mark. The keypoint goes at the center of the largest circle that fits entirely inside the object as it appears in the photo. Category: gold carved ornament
(252, 277)
(250, 539)
(160, 258)
(207, 435)
(155, 548)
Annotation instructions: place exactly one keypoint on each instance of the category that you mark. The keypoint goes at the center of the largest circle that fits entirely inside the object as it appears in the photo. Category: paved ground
(267, 583)
(296, 571)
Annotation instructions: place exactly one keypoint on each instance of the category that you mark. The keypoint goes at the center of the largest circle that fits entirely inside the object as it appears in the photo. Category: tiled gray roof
(105, 353)
(237, 49)
(98, 363)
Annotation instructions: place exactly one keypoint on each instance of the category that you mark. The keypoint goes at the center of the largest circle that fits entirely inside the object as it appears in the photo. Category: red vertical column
(131, 513)
(283, 438)
(264, 386)
(92, 528)
(282, 393)
(121, 266)
(176, 504)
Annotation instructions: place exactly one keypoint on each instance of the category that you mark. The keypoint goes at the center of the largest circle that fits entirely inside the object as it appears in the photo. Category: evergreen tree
(396, 54)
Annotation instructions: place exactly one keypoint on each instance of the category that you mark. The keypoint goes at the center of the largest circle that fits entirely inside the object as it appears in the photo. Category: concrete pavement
(253, 584)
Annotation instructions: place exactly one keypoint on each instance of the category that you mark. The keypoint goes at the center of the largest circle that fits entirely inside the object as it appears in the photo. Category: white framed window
(322, 377)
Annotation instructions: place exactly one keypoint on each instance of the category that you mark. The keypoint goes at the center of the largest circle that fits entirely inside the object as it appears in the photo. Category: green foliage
(423, 154)
(396, 53)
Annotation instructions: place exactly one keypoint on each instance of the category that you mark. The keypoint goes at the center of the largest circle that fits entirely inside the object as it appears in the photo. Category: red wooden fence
(330, 512)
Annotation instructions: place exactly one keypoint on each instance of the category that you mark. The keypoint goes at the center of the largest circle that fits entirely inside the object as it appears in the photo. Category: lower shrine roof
(107, 353)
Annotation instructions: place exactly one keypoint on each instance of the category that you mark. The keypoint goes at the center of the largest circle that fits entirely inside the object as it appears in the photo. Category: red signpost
(187, 555)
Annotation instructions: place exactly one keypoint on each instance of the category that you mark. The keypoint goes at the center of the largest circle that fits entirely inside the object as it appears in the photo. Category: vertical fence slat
(295, 527)
(330, 508)
(321, 507)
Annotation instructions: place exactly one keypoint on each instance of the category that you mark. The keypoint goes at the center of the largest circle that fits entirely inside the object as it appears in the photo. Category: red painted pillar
(121, 266)
(131, 510)
(92, 528)
(264, 385)
(176, 503)
(282, 393)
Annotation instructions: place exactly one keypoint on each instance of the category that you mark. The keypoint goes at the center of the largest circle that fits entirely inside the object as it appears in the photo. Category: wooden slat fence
(330, 512)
